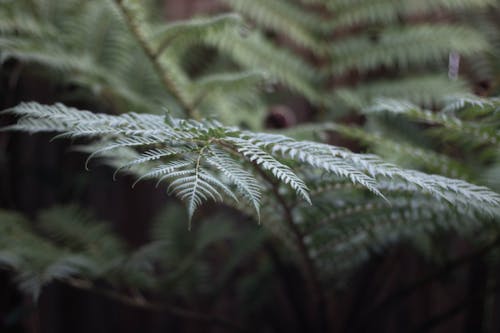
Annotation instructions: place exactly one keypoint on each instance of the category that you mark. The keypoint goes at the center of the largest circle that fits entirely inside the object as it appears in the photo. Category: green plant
(333, 208)
(349, 45)
(69, 246)
(204, 161)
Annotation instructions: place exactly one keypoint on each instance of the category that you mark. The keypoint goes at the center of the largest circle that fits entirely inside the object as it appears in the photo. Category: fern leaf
(268, 162)
(281, 16)
(201, 144)
(325, 157)
(449, 121)
(355, 13)
(194, 30)
(196, 186)
(255, 53)
(164, 170)
(401, 48)
(148, 156)
(425, 90)
(244, 181)
(400, 152)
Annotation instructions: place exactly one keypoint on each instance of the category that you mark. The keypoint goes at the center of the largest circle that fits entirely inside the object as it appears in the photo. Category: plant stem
(141, 302)
(311, 275)
(169, 85)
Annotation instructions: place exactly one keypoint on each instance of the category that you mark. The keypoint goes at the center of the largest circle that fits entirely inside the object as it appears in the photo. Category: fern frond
(401, 152)
(456, 126)
(244, 180)
(378, 230)
(254, 52)
(355, 13)
(78, 231)
(197, 186)
(282, 16)
(90, 41)
(422, 90)
(267, 162)
(345, 227)
(193, 31)
(402, 47)
(164, 170)
(148, 156)
(331, 159)
(204, 144)
(36, 260)
(454, 103)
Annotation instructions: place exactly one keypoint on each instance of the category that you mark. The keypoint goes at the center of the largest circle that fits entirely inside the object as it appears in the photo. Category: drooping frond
(267, 162)
(243, 179)
(193, 154)
(403, 153)
(352, 233)
(345, 227)
(335, 160)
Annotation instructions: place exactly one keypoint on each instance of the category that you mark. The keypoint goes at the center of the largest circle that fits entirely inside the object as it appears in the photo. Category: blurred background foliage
(408, 80)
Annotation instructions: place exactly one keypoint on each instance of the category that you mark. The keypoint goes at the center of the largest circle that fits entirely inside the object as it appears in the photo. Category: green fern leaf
(244, 181)
(282, 172)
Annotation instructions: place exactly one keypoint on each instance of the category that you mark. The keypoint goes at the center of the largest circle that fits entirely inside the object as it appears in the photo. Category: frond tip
(206, 161)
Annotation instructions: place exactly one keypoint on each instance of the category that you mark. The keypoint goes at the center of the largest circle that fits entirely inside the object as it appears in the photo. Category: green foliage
(207, 161)
(101, 54)
(360, 225)
(182, 152)
(353, 41)
(467, 122)
(76, 248)
(334, 207)
(68, 245)
(484, 68)
(100, 47)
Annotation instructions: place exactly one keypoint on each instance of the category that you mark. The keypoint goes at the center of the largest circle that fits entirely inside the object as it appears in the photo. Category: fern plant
(352, 43)
(467, 124)
(69, 246)
(207, 161)
(338, 79)
(333, 208)
(181, 152)
(101, 55)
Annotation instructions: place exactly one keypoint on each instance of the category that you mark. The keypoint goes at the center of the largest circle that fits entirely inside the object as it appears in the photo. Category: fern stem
(169, 85)
(141, 302)
(311, 275)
